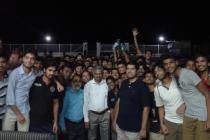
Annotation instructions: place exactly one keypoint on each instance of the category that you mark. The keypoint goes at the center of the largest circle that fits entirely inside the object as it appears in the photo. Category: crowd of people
(122, 97)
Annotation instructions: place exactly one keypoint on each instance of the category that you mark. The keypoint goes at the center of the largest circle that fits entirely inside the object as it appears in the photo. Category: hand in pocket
(181, 109)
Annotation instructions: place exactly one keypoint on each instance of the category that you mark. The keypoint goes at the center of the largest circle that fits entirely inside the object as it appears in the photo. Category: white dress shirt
(95, 97)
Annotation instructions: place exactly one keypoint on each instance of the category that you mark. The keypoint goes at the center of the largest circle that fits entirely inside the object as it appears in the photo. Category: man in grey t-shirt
(196, 123)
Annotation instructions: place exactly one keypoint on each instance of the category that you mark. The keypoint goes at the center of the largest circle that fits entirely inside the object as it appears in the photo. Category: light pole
(160, 39)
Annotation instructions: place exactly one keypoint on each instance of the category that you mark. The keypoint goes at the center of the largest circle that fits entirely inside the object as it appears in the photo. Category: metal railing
(59, 49)
(47, 47)
(157, 49)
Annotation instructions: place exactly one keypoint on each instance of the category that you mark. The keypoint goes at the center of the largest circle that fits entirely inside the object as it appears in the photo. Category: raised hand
(135, 31)
(116, 44)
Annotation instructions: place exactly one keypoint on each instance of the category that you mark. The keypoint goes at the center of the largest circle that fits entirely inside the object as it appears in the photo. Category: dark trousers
(0, 124)
(41, 129)
(75, 131)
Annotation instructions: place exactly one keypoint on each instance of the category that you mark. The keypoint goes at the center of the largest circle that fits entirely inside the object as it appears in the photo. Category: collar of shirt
(40, 80)
(72, 91)
(21, 70)
(133, 83)
(172, 84)
(102, 82)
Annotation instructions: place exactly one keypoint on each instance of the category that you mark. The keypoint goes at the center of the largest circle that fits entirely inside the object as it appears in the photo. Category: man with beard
(132, 107)
(201, 64)
(168, 100)
(71, 118)
(13, 62)
(64, 78)
(44, 103)
(95, 108)
(154, 124)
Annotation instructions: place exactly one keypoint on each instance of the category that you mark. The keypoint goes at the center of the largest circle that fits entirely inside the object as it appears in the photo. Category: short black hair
(169, 56)
(78, 64)
(201, 55)
(121, 62)
(149, 51)
(40, 59)
(50, 63)
(106, 69)
(190, 59)
(67, 56)
(68, 65)
(2, 55)
(140, 58)
(148, 72)
(143, 65)
(31, 51)
(95, 59)
(187, 60)
(160, 65)
(110, 78)
(133, 63)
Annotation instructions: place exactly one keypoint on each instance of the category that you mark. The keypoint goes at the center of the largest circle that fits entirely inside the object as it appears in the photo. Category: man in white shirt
(196, 123)
(95, 106)
(168, 100)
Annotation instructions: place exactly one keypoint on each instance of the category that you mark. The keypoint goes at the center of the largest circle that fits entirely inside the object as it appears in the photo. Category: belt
(79, 122)
(99, 113)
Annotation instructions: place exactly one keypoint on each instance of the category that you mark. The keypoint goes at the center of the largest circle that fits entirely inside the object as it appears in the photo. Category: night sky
(30, 22)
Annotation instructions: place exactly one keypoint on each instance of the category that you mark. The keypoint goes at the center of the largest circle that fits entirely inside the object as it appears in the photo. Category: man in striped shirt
(3, 87)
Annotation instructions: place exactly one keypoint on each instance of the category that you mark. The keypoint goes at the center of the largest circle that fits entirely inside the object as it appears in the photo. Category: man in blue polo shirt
(132, 108)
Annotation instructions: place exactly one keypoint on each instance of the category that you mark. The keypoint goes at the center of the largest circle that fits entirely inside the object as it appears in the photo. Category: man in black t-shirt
(154, 125)
(111, 101)
(112, 94)
(44, 102)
